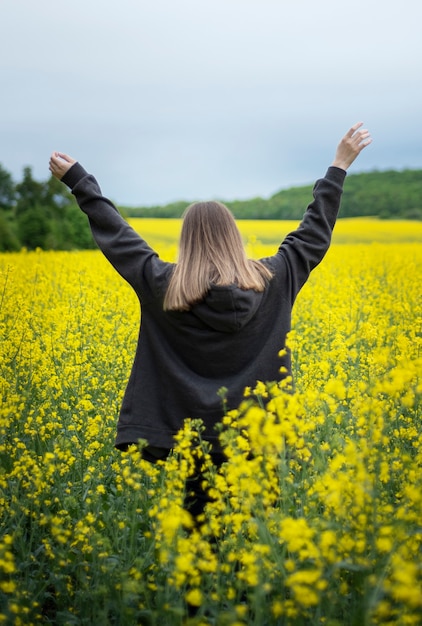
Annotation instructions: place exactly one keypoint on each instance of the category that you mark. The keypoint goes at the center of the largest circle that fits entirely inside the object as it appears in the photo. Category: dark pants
(196, 496)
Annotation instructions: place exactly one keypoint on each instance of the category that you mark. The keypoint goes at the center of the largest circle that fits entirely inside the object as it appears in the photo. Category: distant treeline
(45, 215)
(40, 215)
(389, 195)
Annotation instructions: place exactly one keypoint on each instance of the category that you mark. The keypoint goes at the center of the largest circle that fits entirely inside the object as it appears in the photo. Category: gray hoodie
(231, 339)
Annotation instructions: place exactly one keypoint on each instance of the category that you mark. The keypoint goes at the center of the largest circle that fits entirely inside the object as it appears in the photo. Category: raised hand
(60, 163)
(352, 144)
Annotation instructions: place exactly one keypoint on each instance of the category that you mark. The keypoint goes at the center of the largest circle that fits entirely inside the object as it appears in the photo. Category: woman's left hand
(352, 144)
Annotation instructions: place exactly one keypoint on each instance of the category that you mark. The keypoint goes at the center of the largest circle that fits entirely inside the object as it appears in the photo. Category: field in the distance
(347, 230)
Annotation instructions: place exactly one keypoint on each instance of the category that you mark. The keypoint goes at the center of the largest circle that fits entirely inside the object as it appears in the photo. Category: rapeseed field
(316, 518)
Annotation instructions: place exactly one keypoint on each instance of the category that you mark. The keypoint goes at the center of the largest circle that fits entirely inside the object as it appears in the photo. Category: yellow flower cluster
(315, 516)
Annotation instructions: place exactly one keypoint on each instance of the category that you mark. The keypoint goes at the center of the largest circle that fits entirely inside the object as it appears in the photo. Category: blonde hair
(211, 251)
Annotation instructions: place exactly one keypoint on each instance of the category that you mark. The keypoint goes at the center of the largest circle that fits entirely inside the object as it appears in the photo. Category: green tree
(69, 225)
(48, 217)
(31, 219)
(33, 227)
(8, 239)
(30, 193)
(7, 190)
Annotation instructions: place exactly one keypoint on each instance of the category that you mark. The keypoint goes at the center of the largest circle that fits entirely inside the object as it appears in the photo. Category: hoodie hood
(228, 308)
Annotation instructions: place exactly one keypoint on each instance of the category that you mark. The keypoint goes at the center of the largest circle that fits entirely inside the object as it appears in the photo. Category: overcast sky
(193, 99)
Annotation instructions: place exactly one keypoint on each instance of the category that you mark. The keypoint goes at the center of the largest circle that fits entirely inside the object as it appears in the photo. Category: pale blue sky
(193, 99)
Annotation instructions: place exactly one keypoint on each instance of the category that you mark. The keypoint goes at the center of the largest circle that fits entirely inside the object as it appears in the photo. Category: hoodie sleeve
(122, 246)
(304, 248)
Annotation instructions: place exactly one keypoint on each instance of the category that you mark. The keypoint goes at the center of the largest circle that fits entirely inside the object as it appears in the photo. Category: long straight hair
(211, 251)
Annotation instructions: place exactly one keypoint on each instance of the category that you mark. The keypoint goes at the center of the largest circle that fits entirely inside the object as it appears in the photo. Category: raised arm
(304, 248)
(124, 248)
